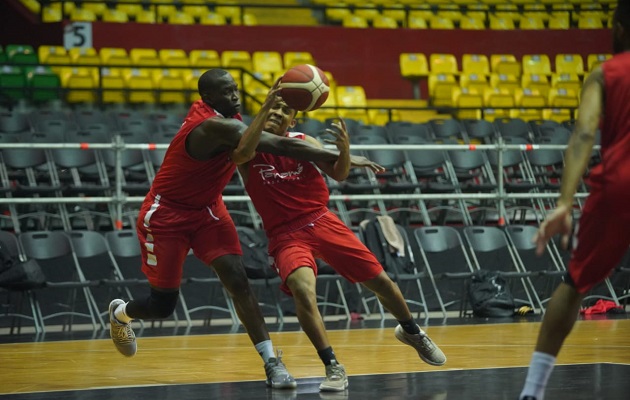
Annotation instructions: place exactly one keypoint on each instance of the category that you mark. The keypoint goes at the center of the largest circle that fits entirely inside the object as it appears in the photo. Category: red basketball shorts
(326, 238)
(167, 233)
(601, 238)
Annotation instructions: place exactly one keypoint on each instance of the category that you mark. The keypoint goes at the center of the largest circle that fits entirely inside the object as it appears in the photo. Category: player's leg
(163, 251)
(340, 248)
(296, 266)
(602, 239)
(216, 243)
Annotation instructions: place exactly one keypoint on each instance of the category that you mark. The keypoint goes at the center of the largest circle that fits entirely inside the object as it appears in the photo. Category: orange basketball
(304, 87)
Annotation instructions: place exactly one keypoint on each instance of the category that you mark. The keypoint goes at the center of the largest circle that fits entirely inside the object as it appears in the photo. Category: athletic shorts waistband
(298, 223)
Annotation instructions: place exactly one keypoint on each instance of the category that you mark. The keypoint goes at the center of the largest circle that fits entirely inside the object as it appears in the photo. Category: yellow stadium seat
(475, 64)
(501, 23)
(68, 7)
(505, 64)
(441, 88)
(536, 82)
(111, 56)
(51, 15)
(451, 12)
(474, 82)
(164, 11)
(531, 22)
(437, 22)
(236, 59)
(231, 13)
(536, 64)
(443, 64)
(593, 60)
(267, 62)
(569, 64)
(32, 5)
(293, 58)
(471, 22)
(171, 86)
(146, 17)
(413, 65)
(115, 16)
(417, 23)
(79, 84)
(191, 79)
(396, 14)
(196, 11)
(132, 10)
(379, 116)
(113, 85)
(338, 12)
(556, 114)
(500, 101)
(536, 10)
(590, 22)
(383, 22)
(478, 10)
(464, 97)
(53, 55)
(204, 59)
(559, 98)
(180, 18)
(508, 11)
(503, 81)
(351, 96)
(422, 12)
(86, 56)
(144, 57)
(368, 13)
(249, 20)
(80, 14)
(559, 21)
(354, 21)
(212, 19)
(173, 58)
(140, 85)
(566, 81)
(526, 98)
(98, 8)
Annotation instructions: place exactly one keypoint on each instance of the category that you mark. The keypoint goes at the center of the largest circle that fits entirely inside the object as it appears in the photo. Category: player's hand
(558, 222)
(360, 161)
(342, 140)
(272, 95)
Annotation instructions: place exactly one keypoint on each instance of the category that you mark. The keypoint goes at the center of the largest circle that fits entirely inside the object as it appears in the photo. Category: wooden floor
(51, 366)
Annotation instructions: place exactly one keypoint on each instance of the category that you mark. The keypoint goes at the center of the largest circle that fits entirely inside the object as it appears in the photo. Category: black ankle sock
(410, 326)
(326, 355)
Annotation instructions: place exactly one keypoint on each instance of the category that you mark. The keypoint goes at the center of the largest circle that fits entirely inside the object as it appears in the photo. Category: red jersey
(287, 193)
(184, 181)
(615, 127)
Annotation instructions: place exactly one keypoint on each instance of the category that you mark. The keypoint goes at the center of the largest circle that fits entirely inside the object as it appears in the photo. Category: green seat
(21, 54)
(3, 56)
(44, 84)
(12, 83)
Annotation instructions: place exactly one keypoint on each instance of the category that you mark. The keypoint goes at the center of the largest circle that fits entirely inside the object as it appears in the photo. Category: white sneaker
(336, 379)
(122, 334)
(427, 350)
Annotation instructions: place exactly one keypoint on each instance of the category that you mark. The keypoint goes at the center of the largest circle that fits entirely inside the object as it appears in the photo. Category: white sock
(121, 314)
(538, 374)
(265, 349)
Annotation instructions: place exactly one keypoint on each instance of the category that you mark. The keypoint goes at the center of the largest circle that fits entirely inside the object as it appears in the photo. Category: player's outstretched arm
(246, 149)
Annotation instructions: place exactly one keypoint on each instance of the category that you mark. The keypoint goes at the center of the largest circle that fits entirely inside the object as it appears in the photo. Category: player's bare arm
(576, 160)
(246, 149)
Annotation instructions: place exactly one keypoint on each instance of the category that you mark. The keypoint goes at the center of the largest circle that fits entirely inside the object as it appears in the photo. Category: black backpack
(386, 255)
(255, 253)
(489, 295)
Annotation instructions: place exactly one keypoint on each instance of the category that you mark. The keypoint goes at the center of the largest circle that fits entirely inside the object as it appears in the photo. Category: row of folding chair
(85, 270)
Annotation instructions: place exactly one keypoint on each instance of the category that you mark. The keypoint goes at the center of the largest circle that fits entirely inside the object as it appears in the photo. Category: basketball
(304, 87)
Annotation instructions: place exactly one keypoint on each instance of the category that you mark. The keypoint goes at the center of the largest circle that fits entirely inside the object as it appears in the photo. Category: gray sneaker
(427, 350)
(122, 334)
(277, 375)
(336, 379)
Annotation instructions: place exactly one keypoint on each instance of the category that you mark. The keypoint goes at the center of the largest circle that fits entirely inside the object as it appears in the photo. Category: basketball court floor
(486, 360)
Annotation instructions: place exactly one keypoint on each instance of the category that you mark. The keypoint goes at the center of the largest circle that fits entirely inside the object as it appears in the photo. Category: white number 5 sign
(77, 34)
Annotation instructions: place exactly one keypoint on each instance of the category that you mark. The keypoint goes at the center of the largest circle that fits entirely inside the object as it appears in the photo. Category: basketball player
(291, 198)
(184, 209)
(602, 236)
